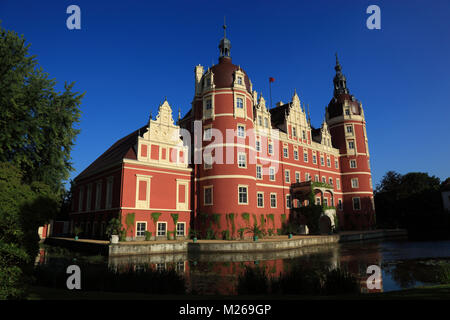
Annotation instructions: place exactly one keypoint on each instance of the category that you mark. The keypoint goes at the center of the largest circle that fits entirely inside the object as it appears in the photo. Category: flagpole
(270, 93)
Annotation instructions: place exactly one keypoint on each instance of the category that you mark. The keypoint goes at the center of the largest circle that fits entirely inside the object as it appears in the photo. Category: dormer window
(239, 80)
(259, 120)
(304, 134)
(266, 122)
(294, 132)
(208, 82)
(347, 111)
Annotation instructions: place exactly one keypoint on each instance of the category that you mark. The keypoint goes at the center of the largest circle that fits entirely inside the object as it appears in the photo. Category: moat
(404, 264)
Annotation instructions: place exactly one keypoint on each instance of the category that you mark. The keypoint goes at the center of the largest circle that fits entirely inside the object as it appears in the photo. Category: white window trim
(242, 186)
(288, 176)
(357, 183)
(184, 229)
(290, 199)
(257, 205)
(259, 166)
(237, 131)
(245, 158)
(157, 229)
(144, 204)
(136, 228)
(270, 176)
(350, 164)
(275, 194)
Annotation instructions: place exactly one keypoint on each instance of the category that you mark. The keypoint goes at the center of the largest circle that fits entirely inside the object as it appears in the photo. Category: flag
(271, 79)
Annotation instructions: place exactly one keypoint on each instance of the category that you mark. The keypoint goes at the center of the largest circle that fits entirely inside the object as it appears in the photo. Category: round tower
(225, 178)
(345, 118)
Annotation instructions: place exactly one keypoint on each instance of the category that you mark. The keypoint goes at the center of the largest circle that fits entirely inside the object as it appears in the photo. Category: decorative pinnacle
(338, 66)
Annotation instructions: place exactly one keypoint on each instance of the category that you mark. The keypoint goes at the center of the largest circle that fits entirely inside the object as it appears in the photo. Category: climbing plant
(216, 218)
(233, 226)
(129, 221)
(155, 217)
(246, 217)
(175, 220)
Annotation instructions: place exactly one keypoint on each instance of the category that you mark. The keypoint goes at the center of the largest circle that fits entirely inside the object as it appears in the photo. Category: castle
(166, 178)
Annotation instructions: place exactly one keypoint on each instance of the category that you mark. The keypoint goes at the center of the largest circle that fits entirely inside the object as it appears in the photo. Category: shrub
(148, 235)
(226, 235)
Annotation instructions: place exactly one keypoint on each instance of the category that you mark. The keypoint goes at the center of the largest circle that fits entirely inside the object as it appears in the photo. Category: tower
(224, 180)
(345, 118)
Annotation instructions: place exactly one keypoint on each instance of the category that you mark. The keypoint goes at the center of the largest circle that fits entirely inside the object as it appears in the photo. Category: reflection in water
(404, 264)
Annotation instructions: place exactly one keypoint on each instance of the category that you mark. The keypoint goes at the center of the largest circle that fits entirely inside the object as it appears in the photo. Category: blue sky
(129, 55)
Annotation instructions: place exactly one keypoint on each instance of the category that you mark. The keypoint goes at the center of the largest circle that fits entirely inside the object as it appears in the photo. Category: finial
(179, 114)
(309, 115)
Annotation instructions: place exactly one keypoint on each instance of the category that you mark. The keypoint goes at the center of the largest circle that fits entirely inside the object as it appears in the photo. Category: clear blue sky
(130, 54)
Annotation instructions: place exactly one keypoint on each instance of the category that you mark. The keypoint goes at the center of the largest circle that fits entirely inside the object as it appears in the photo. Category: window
(314, 158)
(260, 199)
(304, 134)
(243, 195)
(325, 202)
(288, 201)
(208, 104)
(208, 82)
(339, 204)
(241, 131)
(239, 103)
(297, 177)
(273, 200)
(239, 80)
(208, 161)
(266, 122)
(207, 134)
(80, 199)
(272, 174)
(258, 172)
(351, 144)
(336, 164)
(259, 120)
(295, 155)
(349, 129)
(316, 178)
(347, 111)
(109, 192)
(338, 183)
(270, 148)
(89, 197)
(98, 195)
(356, 204)
(208, 196)
(321, 161)
(324, 180)
(328, 162)
(294, 132)
(307, 177)
(318, 201)
(162, 228)
(287, 176)
(140, 229)
(285, 152)
(305, 156)
(181, 229)
(258, 145)
(355, 183)
(242, 160)
(352, 163)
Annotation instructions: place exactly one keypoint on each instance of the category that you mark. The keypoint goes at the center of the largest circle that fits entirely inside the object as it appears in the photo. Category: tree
(36, 138)
(37, 122)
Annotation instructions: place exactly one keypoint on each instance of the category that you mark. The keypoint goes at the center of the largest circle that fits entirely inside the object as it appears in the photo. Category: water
(404, 264)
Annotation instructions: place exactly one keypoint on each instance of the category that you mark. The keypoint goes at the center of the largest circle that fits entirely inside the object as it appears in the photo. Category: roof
(224, 74)
(277, 114)
(121, 149)
(335, 105)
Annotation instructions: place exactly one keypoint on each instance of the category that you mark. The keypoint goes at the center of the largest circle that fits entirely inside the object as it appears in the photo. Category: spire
(225, 44)
(339, 81)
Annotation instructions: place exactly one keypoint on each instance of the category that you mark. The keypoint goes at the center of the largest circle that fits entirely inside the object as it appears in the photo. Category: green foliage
(148, 235)
(271, 217)
(210, 234)
(255, 220)
(155, 216)
(216, 219)
(283, 218)
(23, 208)
(312, 214)
(233, 226)
(129, 221)
(77, 230)
(226, 234)
(241, 232)
(37, 122)
(255, 231)
(412, 201)
(175, 221)
(270, 232)
(246, 217)
(263, 222)
(114, 227)
(193, 233)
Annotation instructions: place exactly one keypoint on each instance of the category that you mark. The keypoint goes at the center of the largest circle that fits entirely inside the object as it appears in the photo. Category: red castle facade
(174, 177)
